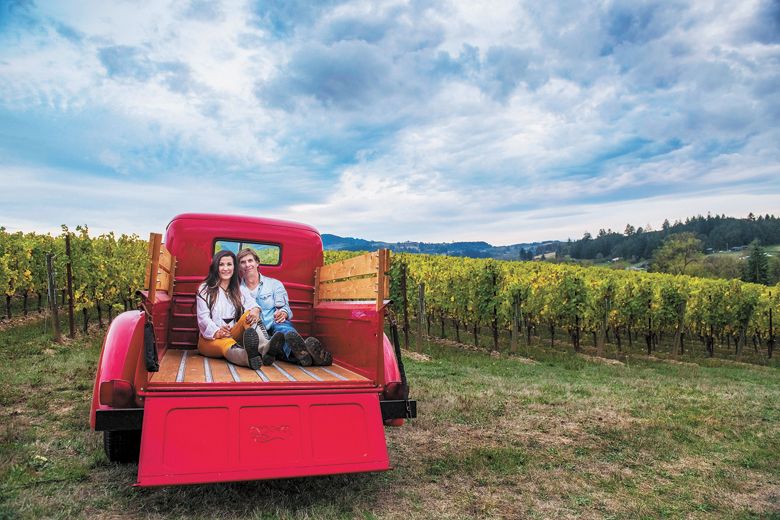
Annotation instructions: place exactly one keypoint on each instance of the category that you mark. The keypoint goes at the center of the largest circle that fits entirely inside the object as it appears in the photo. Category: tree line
(716, 232)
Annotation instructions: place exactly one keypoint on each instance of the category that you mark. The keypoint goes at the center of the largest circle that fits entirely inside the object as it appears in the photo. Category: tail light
(116, 393)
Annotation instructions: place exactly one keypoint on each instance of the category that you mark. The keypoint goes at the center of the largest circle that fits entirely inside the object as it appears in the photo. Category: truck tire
(122, 446)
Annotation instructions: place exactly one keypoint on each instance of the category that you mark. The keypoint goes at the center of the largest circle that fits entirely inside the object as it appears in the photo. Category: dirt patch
(714, 362)
(763, 498)
(601, 360)
(417, 356)
(749, 494)
(661, 360)
(541, 425)
(472, 348)
(452, 343)
(63, 410)
(16, 321)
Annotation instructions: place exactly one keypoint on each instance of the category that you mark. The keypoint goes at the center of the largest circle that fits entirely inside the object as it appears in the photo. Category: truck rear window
(269, 254)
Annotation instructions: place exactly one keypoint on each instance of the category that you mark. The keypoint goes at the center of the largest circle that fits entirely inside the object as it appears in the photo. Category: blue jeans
(284, 328)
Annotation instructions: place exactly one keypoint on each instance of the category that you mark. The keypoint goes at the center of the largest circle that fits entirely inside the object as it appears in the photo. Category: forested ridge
(717, 233)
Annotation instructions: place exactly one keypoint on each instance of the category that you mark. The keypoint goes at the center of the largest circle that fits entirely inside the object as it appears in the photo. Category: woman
(222, 320)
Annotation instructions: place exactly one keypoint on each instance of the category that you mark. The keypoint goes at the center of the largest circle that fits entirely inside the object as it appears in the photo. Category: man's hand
(280, 316)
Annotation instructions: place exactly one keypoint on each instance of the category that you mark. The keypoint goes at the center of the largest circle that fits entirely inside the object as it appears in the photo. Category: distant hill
(717, 232)
(524, 251)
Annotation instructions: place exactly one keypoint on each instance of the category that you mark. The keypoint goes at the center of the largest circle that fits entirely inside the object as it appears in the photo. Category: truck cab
(190, 419)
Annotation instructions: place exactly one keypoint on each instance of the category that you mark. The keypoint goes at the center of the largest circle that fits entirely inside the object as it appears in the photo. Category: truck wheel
(122, 446)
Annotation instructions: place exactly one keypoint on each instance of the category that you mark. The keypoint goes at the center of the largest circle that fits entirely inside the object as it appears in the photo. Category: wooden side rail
(160, 269)
(360, 278)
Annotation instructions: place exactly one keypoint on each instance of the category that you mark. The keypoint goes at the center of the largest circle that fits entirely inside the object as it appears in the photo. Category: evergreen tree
(757, 265)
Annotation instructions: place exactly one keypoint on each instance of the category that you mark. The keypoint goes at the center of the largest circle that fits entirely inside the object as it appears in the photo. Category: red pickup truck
(191, 419)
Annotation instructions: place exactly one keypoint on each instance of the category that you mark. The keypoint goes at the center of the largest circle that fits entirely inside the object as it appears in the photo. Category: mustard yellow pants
(217, 347)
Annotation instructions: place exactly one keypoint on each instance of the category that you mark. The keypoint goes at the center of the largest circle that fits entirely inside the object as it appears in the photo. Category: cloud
(137, 205)
(124, 62)
(764, 27)
(204, 10)
(282, 17)
(433, 120)
(345, 75)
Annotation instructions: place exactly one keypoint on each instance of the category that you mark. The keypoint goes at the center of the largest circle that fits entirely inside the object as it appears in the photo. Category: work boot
(320, 357)
(251, 342)
(298, 347)
(260, 328)
(273, 349)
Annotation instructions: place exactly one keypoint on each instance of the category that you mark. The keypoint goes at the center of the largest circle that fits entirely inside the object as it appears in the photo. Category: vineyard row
(605, 303)
(608, 304)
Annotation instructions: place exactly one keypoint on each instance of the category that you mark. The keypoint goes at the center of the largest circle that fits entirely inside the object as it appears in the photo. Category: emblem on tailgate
(268, 432)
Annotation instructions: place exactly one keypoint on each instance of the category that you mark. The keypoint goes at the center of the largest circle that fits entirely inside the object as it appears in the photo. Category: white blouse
(211, 320)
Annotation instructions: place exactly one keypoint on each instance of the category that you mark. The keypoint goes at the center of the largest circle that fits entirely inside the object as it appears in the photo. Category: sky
(436, 121)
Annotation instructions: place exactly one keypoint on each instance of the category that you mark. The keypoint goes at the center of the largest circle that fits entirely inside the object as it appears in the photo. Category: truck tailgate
(197, 437)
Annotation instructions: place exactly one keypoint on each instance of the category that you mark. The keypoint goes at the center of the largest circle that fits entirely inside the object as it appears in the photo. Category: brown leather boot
(298, 347)
(274, 349)
(319, 355)
(251, 343)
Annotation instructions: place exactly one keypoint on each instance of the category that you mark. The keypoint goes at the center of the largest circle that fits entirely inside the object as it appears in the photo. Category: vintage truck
(190, 419)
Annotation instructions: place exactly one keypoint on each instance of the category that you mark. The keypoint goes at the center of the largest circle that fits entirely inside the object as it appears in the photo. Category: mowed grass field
(553, 435)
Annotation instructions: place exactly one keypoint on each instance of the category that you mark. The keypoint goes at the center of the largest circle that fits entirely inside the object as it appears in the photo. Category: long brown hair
(233, 291)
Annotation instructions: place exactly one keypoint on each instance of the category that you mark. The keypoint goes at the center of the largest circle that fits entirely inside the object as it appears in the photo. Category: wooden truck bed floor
(187, 366)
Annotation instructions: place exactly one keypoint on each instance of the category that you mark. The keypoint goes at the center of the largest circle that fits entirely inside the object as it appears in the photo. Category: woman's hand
(222, 332)
(254, 316)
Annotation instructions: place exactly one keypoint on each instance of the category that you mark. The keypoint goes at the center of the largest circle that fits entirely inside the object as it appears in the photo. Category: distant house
(738, 248)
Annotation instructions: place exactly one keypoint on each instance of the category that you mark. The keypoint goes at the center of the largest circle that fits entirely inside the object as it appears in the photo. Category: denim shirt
(270, 295)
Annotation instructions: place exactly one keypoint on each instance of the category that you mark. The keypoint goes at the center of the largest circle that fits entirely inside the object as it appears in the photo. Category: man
(275, 315)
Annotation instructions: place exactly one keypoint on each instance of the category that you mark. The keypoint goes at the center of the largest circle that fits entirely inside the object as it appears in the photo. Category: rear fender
(121, 358)
(393, 383)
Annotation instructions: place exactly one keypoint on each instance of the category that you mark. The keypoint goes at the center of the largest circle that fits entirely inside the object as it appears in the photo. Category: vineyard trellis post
(515, 320)
(69, 271)
(405, 304)
(494, 280)
(603, 328)
(421, 318)
(53, 298)
(677, 340)
(770, 346)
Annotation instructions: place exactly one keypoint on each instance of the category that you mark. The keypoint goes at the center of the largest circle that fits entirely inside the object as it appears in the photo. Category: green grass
(496, 437)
